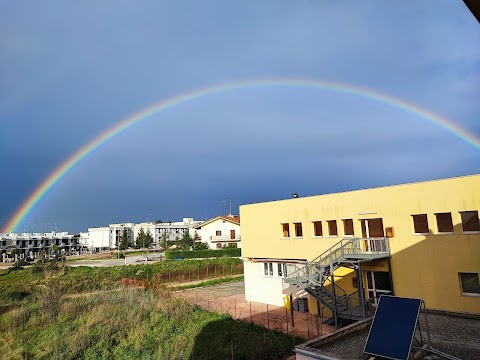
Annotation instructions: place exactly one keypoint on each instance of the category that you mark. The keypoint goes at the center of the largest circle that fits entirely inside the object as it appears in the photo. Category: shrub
(196, 254)
(49, 297)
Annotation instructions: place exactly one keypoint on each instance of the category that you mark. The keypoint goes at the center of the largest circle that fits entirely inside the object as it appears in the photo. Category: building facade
(220, 232)
(419, 240)
(29, 245)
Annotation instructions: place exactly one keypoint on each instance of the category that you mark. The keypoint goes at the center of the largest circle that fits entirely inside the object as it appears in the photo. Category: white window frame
(268, 269)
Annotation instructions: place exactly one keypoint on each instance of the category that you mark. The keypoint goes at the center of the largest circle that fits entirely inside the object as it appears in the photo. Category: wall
(209, 230)
(261, 288)
(423, 266)
(98, 238)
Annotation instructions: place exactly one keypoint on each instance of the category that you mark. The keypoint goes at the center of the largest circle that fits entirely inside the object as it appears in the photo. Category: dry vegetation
(38, 321)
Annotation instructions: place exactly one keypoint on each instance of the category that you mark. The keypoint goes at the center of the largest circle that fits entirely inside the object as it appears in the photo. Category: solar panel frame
(392, 355)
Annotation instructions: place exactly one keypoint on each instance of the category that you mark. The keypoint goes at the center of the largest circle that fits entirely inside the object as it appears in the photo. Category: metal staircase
(315, 277)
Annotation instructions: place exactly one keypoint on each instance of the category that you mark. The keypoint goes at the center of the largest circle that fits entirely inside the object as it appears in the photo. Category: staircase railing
(345, 248)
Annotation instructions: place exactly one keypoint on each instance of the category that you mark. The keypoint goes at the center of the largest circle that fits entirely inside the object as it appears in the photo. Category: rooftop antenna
(224, 202)
(231, 205)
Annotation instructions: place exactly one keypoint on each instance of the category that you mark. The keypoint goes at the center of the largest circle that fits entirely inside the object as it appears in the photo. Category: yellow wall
(423, 266)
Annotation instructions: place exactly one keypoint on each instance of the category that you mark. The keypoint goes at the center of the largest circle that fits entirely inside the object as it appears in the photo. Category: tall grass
(132, 324)
(19, 283)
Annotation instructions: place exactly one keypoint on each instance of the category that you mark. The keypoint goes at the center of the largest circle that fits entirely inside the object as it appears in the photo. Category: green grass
(211, 282)
(15, 281)
(130, 324)
(38, 322)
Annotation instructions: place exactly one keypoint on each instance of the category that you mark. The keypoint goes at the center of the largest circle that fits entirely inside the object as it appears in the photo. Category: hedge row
(197, 254)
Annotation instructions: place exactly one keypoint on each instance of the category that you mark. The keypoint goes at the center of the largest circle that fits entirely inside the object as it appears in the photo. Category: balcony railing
(224, 238)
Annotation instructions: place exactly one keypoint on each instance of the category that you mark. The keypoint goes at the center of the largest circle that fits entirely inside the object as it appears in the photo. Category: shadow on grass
(234, 339)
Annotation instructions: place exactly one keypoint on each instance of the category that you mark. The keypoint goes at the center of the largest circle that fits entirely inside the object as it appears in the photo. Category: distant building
(175, 230)
(31, 244)
(106, 238)
(220, 232)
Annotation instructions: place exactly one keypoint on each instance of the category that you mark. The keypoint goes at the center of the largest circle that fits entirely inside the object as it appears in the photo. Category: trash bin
(295, 304)
(286, 302)
(303, 305)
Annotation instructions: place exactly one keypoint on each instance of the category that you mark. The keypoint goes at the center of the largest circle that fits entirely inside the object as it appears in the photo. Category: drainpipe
(334, 297)
(390, 274)
(291, 308)
(360, 288)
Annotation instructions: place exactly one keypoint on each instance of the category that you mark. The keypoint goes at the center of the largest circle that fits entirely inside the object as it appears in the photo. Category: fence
(208, 272)
(304, 325)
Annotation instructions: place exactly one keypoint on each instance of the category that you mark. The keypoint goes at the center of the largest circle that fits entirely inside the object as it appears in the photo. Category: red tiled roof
(234, 218)
(231, 218)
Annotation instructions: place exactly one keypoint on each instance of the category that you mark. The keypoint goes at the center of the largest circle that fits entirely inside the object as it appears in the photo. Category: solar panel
(393, 327)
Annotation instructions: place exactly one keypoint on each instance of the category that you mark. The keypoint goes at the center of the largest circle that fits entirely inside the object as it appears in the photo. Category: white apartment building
(175, 230)
(30, 244)
(107, 237)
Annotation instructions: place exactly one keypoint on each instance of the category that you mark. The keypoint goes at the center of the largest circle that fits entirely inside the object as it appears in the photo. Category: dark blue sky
(69, 71)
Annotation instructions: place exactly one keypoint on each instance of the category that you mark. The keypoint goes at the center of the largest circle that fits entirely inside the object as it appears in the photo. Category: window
(348, 227)
(219, 245)
(286, 230)
(444, 222)
(268, 269)
(420, 224)
(470, 221)
(332, 227)
(298, 229)
(218, 233)
(282, 270)
(317, 228)
(469, 283)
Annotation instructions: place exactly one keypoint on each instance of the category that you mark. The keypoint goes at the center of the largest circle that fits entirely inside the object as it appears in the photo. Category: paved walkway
(230, 298)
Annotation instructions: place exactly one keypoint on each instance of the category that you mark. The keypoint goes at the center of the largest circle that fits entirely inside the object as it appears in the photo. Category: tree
(140, 240)
(148, 239)
(124, 241)
(196, 237)
(15, 253)
(164, 241)
(187, 240)
(200, 246)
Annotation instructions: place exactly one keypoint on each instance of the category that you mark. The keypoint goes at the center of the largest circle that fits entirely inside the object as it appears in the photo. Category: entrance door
(232, 234)
(378, 283)
(372, 228)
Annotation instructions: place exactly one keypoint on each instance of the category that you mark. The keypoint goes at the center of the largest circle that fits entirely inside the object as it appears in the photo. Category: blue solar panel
(393, 327)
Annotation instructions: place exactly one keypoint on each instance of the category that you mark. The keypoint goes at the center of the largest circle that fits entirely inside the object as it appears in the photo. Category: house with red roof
(220, 232)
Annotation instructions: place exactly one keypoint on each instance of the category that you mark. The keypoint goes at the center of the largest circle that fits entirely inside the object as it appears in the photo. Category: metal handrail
(347, 246)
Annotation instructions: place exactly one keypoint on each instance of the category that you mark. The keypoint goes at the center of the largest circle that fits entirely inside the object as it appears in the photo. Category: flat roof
(453, 335)
(365, 189)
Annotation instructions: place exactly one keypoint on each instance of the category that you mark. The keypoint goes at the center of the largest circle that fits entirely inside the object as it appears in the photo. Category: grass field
(16, 282)
(37, 320)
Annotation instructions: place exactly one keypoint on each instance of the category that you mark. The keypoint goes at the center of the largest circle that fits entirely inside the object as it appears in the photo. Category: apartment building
(342, 251)
(30, 244)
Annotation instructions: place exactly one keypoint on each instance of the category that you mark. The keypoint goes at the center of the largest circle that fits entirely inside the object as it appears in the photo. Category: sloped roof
(234, 219)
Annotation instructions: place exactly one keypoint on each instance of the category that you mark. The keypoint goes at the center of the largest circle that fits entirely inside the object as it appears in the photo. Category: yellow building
(419, 240)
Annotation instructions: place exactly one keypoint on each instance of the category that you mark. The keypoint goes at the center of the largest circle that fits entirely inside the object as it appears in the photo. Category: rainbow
(47, 184)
